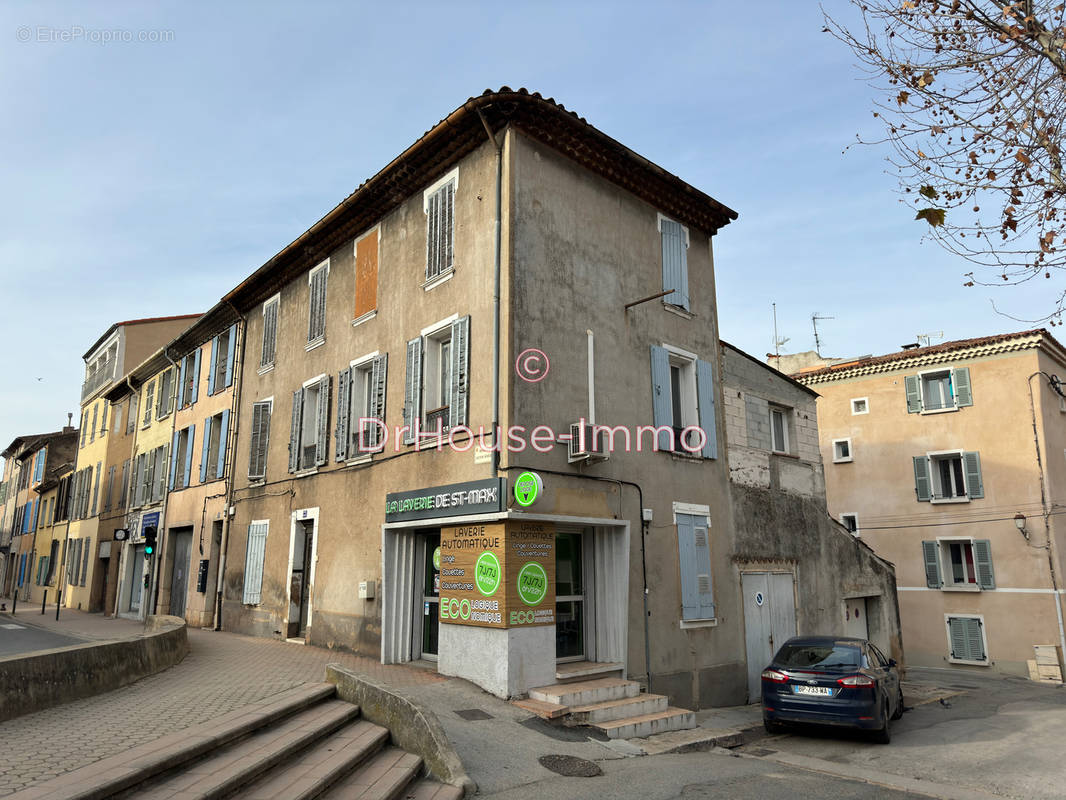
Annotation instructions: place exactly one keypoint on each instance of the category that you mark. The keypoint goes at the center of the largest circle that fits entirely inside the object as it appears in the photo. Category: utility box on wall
(366, 590)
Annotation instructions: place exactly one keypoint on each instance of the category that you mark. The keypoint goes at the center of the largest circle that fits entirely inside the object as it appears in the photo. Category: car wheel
(884, 734)
(899, 706)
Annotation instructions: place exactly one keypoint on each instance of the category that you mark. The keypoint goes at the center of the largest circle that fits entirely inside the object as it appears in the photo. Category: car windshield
(820, 656)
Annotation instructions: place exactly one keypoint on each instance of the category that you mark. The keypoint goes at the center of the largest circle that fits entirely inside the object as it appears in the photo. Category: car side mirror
(891, 663)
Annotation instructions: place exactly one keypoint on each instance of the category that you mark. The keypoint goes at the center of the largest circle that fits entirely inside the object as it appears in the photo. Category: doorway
(427, 626)
(303, 548)
(179, 570)
(570, 587)
(135, 578)
(769, 620)
(856, 621)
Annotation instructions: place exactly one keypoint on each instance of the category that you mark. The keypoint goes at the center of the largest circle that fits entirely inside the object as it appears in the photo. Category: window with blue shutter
(255, 556)
(412, 404)
(694, 557)
(662, 398)
(223, 435)
(675, 262)
(707, 396)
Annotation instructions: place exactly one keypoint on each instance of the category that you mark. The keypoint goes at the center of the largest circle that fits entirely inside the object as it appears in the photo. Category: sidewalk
(91, 627)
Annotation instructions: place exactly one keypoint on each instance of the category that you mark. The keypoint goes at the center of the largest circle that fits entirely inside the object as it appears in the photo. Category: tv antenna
(928, 337)
(814, 323)
(778, 340)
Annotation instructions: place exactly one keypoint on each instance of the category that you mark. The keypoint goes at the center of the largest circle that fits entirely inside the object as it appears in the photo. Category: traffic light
(149, 540)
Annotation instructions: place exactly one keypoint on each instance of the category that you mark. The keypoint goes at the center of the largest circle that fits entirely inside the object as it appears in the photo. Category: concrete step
(384, 777)
(228, 769)
(315, 770)
(570, 671)
(610, 710)
(583, 693)
(672, 719)
(427, 789)
(541, 709)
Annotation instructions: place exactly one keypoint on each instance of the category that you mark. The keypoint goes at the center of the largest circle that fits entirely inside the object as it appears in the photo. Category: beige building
(950, 461)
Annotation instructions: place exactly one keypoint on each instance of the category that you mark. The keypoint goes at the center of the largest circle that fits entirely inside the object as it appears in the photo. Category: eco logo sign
(527, 488)
(532, 583)
(487, 573)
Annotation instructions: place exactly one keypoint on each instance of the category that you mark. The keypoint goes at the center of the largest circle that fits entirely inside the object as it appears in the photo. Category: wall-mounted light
(1019, 521)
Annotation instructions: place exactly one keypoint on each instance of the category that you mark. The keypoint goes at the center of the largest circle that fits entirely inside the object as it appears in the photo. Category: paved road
(18, 637)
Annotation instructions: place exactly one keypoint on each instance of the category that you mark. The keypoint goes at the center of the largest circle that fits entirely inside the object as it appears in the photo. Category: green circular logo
(532, 583)
(436, 559)
(526, 488)
(487, 573)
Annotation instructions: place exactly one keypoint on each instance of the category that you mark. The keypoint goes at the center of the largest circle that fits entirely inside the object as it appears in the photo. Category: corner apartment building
(950, 461)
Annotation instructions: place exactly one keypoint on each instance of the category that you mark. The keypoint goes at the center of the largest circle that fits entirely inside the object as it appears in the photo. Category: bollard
(14, 600)
(59, 600)
(44, 601)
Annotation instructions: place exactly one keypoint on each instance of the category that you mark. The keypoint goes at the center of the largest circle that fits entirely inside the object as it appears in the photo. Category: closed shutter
(110, 488)
(931, 555)
(960, 382)
(660, 397)
(125, 483)
(181, 382)
(412, 392)
(253, 562)
(457, 411)
(913, 391)
(294, 431)
(706, 396)
(316, 323)
(432, 228)
(223, 435)
(704, 585)
(159, 485)
(270, 328)
(188, 455)
(138, 480)
(195, 376)
(85, 560)
(966, 641)
(922, 486)
(173, 460)
(149, 394)
(378, 377)
(231, 352)
(205, 449)
(694, 557)
(131, 420)
(366, 274)
(982, 556)
(260, 436)
(92, 430)
(675, 263)
(212, 367)
(149, 475)
(322, 429)
(971, 465)
(344, 407)
(96, 487)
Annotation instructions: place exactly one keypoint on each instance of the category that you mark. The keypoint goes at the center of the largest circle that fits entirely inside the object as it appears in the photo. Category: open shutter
(188, 455)
(971, 465)
(686, 552)
(96, 489)
(253, 563)
(705, 395)
(212, 367)
(195, 376)
(412, 398)
(294, 431)
(161, 473)
(660, 396)
(344, 384)
(960, 382)
(173, 461)
(930, 552)
(378, 377)
(322, 438)
(982, 556)
(223, 433)
(181, 381)
(914, 394)
(260, 427)
(974, 639)
(701, 541)
(230, 354)
(205, 450)
(922, 486)
(675, 263)
(457, 411)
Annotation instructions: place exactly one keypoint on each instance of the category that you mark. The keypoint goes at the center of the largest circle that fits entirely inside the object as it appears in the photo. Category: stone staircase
(299, 745)
(597, 695)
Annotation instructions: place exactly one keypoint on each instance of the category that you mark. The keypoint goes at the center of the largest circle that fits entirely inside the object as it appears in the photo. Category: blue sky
(147, 178)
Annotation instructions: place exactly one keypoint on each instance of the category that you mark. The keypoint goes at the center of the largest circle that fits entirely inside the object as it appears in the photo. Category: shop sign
(497, 575)
(527, 488)
(454, 500)
(149, 520)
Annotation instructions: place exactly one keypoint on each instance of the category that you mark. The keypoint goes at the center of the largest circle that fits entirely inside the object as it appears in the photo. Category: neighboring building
(791, 363)
(931, 458)
(800, 571)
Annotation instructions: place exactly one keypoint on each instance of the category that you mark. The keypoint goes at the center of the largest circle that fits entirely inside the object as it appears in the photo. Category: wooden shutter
(931, 555)
(205, 450)
(322, 430)
(344, 407)
(412, 392)
(188, 455)
(447, 226)
(212, 367)
(982, 556)
(149, 475)
(160, 483)
(173, 459)
(971, 465)
(92, 430)
(223, 435)
(316, 318)
(460, 390)
(149, 394)
(960, 383)
(693, 547)
(85, 559)
(378, 377)
(195, 376)
(230, 354)
(253, 562)
(675, 263)
(260, 438)
(966, 639)
(138, 480)
(124, 483)
(294, 431)
(110, 487)
(922, 485)
(662, 410)
(913, 390)
(433, 236)
(96, 489)
(706, 395)
(366, 274)
(181, 381)
(270, 329)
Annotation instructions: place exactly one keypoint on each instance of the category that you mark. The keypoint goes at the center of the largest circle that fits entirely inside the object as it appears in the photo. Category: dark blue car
(832, 680)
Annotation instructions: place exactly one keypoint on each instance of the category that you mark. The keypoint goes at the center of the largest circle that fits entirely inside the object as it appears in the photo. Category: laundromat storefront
(499, 597)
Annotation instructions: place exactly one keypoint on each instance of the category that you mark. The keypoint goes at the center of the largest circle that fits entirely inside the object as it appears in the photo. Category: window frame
(441, 274)
(433, 339)
(984, 640)
(934, 458)
(696, 513)
(165, 376)
(265, 365)
(866, 406)
(317, 339)
(685, 362)
(363, 367)
(254, 598)
(785, 413)
(839, 459)
(261, 476)
(854, 516)
(947, 578)
(322, 395)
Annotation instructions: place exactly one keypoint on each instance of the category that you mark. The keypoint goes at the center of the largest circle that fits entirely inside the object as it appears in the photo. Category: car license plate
(822, 691)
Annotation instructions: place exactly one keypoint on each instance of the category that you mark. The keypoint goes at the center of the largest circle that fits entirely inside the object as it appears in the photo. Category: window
(860, 405)
(213, 455)
(92, 426)
(165, 401)
(675, 262)
(683, 396)
(437, 378)
(149, 393)
(84, 427)
(53, 560)
(255, 554)
(694, 555)
(124, 484)
(38, 466)
(938, 390)
(948, 477)
(841, 451)
(103, 417)
(87, 546)
(851, 522)
(270, 332)
(958, 563)
(109, 492)
(438, 202)
(966, 639)
(779, 423)
(116, 418)
(223, 348)
(257, 460)
(131, 417)
(366, 277)
(96, 488)
(159, 473)
(361, 396)
(316, 317)
(310, 423)
(181, 457)
(189, 378)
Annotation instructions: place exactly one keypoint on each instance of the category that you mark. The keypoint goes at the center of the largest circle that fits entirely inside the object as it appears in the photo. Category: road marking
(12, 626)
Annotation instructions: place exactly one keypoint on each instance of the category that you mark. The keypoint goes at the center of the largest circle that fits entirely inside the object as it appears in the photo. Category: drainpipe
(496, 299)
(1050, 546)
(234, 428)
(161, 540)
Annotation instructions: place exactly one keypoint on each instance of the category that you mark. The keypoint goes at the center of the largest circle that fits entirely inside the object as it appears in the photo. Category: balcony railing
(102, 377)
(437, 419)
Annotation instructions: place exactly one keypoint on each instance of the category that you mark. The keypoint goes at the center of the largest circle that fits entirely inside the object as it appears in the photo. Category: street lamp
(1019, 521)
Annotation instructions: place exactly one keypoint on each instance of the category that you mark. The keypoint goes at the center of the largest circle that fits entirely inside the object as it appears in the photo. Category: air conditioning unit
(585, 444)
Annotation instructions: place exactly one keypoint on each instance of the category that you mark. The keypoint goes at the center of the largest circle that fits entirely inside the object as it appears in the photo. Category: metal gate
(769, 620)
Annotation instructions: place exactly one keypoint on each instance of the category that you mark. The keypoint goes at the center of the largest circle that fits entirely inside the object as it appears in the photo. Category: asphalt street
(16, 638)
